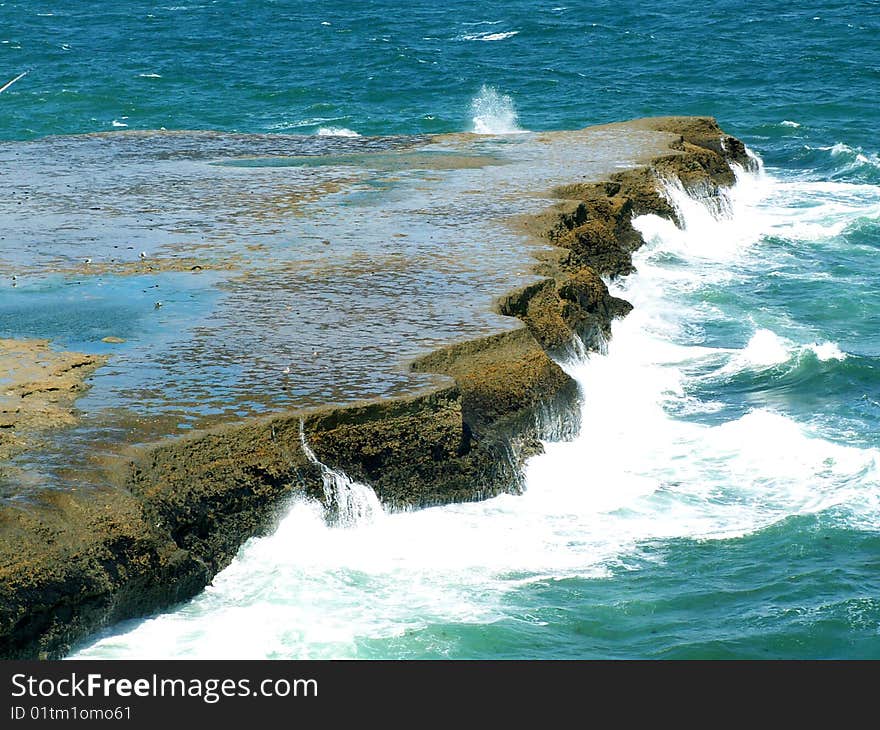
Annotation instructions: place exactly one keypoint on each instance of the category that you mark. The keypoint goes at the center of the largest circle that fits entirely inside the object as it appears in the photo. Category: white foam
(150, 76)
(855, 156)
(117, 123)
(766, 348)
(308, 122)
(789, 123)
(494, 113)
(336, 132)
(489, 36)
(703, 238)
(827, 351)
(812, 211)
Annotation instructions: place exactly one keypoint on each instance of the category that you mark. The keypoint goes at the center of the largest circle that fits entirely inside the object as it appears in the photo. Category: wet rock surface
(38, 390)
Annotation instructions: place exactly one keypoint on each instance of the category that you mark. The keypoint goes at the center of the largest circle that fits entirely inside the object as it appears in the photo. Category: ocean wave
(336, 132)
(488, 36)
(846, 162)
(303, 123)
(765, 348)
(827, 351)
(800, 210)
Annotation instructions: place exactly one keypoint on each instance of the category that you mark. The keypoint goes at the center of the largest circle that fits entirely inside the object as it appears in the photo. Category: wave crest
(336, 132)
(489, 36)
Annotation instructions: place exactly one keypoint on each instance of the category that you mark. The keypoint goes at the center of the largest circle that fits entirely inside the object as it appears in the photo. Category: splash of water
(349, 503)
(494, 113)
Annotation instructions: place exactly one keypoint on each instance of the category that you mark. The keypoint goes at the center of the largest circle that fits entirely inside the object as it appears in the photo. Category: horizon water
(722, 499)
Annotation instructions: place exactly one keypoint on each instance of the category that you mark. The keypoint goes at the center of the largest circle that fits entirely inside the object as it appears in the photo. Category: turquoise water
(728, 502)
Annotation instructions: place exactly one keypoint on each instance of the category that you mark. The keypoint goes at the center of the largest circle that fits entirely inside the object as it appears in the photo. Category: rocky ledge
(172, 515)
(39, 391)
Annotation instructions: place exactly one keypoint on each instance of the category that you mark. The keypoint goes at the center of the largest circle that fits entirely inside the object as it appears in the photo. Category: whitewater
(665, 453)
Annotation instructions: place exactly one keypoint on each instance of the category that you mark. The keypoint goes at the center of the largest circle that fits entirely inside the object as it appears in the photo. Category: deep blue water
(767, 544)
(389, 68)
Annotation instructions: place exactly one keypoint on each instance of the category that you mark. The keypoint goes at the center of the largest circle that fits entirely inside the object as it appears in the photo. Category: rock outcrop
(174, 514)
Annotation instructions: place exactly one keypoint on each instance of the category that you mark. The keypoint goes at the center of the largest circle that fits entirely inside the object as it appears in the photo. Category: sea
(722, 498)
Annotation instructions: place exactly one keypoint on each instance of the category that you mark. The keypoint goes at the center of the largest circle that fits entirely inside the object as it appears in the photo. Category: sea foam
(487, 36)
(336, 132)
